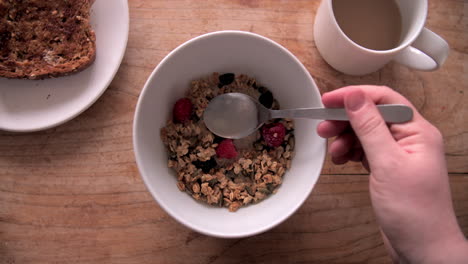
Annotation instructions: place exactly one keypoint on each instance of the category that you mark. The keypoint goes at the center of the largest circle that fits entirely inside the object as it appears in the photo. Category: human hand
(408, 183)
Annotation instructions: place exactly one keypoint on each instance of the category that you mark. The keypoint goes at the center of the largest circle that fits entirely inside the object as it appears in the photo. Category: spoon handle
(391, 113)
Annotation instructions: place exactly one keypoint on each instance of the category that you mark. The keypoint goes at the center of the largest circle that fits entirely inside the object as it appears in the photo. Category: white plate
(31, 105)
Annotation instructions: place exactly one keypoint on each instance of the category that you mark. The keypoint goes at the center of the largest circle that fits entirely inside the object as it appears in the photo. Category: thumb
(368, 125)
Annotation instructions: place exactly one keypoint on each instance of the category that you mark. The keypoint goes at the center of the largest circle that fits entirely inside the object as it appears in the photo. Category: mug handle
(427, 53)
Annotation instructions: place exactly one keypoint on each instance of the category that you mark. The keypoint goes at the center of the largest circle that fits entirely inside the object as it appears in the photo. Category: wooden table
(72, 194)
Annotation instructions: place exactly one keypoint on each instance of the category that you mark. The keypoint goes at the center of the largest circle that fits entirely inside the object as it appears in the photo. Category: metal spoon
(236, 115)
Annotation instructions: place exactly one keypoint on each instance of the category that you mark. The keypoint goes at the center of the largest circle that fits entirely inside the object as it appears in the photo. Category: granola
(255, 173)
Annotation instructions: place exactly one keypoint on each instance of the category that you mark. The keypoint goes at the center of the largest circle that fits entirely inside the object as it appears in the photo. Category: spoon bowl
(234, 115)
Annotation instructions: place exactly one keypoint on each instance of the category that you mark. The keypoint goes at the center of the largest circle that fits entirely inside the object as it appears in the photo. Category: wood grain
(335, 225)
(72, 194)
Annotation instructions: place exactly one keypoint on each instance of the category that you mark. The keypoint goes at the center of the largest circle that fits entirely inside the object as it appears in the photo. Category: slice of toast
(45, 38)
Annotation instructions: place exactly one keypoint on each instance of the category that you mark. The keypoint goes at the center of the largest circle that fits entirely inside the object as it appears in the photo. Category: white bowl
(274, 67)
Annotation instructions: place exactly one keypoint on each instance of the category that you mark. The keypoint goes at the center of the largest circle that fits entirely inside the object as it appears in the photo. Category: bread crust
(45, 38)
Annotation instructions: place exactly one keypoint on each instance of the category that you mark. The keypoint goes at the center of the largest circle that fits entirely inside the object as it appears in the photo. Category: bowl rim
(139, 158)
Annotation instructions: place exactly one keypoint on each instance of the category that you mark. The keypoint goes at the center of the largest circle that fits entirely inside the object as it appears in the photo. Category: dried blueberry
(205, 166)
(262, 89)
(217, 139)
(266, 99)
(226, 79)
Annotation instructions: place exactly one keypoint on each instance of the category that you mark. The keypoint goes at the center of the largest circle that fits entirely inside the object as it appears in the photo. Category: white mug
(419, 47)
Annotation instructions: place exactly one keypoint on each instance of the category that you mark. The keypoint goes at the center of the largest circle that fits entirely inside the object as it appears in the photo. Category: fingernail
(355, 100)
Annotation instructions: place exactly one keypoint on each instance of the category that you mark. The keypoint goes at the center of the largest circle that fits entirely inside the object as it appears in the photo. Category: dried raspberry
(182, 110)
(273, 134)
(226, 149)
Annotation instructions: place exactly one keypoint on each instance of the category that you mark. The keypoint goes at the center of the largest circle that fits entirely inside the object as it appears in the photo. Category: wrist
(451, 249)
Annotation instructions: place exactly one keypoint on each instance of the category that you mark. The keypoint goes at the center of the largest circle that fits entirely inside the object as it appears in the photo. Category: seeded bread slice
(45, 38)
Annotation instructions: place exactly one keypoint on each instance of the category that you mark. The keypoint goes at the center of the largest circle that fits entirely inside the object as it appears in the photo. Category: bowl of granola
(213, 185)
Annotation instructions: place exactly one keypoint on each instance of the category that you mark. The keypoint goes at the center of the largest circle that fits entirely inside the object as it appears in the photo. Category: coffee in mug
(373, 24)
